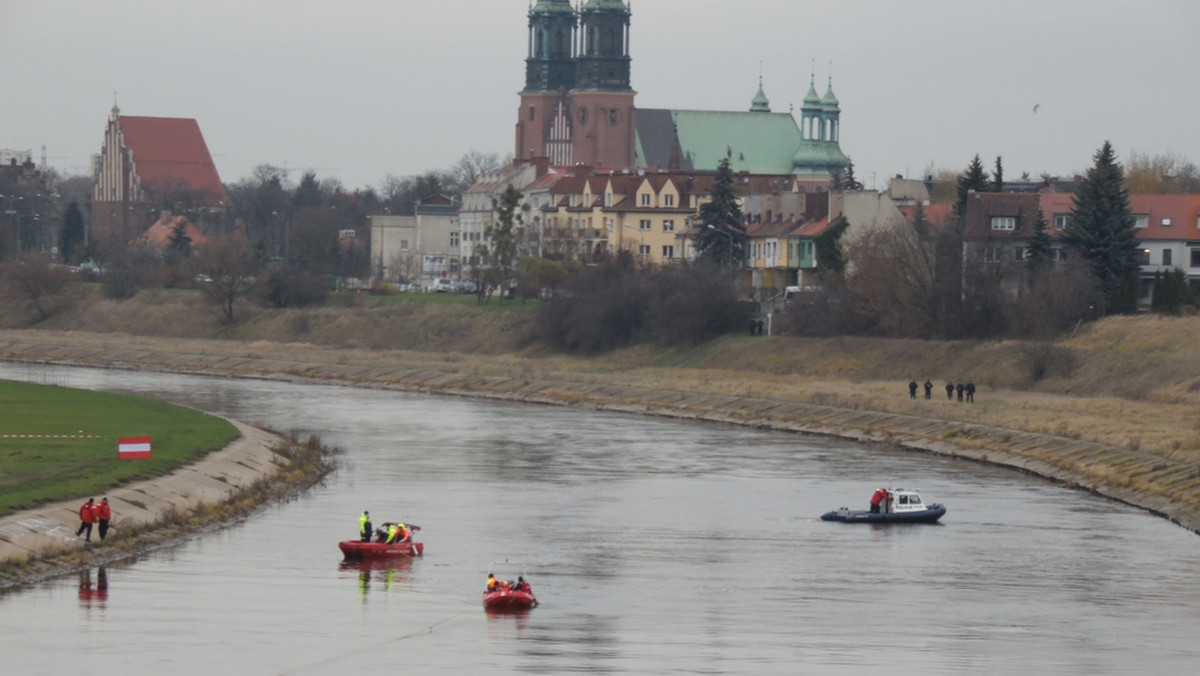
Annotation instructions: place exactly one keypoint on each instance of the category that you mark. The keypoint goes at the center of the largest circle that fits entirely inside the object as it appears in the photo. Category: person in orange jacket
(103, 515)
(87, 517)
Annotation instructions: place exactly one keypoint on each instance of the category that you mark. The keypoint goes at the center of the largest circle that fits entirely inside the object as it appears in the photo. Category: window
(1004, 223)
(643, 249)
(668, 200)
(1196, 258)
(1019, 253)
(608, 223)
(668, 226)
(1141, 220)
(454, 239)
(1166, 256)
(404, 245)
(1144, 257)
(668, 251)
(532, 113)
(644, 199)
(1166, 222)
(991, 254)
(608, 199)
(644, 224)
(1062, 222)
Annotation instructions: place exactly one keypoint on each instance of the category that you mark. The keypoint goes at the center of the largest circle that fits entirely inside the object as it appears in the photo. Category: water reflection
(93, 595)
(386, 575)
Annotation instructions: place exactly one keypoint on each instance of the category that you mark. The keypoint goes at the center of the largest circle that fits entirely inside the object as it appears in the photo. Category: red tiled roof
(170, 151)
(159, 234)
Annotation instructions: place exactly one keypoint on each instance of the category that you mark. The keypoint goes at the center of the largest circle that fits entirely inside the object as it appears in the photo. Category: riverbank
(256, 467)
(1011, 428)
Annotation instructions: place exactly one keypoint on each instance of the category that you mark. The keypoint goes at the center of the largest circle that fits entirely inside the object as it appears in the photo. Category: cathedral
(577, 108)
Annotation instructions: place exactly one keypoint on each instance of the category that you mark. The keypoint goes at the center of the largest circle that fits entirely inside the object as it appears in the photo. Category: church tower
(820, 154)
(603, 98)
(544, 119)
(577, 105)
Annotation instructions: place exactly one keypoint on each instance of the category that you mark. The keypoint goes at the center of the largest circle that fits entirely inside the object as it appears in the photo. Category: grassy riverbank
(58, 443)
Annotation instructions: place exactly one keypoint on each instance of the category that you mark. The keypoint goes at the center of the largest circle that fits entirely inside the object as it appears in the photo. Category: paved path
(1058, 458)
(211, 480)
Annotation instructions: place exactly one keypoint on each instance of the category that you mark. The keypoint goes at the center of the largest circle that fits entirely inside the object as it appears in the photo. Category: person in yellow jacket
(364, 526)
(392, 531)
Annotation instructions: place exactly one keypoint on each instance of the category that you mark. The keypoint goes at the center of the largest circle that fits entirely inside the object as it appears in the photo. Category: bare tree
(226, 270)
(31, 281)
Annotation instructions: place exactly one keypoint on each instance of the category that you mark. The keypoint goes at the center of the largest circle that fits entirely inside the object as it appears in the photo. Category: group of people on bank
(93, 514)
(966, 392)
(388, 532)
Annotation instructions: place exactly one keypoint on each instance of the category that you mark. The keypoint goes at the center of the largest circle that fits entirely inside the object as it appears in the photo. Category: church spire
(760, 104)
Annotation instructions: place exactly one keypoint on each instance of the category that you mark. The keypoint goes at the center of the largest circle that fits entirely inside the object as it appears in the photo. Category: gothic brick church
(577, 108)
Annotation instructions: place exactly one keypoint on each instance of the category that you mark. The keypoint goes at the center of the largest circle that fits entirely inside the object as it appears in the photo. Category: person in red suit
(877, 498)
(103, 516)
(87, 517)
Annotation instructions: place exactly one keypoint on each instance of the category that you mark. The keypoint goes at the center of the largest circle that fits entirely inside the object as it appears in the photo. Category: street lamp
(728, 234)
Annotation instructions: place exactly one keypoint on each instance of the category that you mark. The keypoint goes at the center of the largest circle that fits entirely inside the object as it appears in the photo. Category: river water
(655, 546)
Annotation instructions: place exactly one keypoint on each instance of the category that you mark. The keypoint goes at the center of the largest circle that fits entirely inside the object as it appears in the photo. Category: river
(655, 546)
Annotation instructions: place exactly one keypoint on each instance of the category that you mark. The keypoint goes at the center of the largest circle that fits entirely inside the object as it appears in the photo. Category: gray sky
(361, 89)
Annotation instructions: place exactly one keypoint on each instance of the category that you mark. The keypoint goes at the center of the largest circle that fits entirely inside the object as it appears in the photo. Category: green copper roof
(829, 101)
(758, 142)
(760, 104)
(811, 99)
(604, 5)
(552, 7)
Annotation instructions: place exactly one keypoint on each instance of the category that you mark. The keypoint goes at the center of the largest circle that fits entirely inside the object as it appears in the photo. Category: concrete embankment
(1067, 460)
(51, 528)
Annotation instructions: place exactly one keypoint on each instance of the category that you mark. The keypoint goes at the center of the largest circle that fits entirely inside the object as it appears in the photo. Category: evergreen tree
(1040, 248)
(72, 234)
(998, 177)
(851, 182)
(503, 236)
(1102, 230)
(829, 254)
(974, 178)
(722, 235)
(179, 245)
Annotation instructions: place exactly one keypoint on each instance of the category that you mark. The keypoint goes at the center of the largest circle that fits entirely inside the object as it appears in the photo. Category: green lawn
(38, 470)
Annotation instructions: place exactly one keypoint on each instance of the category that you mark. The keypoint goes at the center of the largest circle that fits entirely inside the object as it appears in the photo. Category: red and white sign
(133, 448)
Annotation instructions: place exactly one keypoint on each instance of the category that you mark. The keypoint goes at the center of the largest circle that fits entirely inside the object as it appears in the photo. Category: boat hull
(507, 599)
(930, 515)
(354, 550)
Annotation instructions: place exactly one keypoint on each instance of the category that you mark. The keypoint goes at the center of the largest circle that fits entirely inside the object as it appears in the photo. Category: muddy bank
(1165, 485)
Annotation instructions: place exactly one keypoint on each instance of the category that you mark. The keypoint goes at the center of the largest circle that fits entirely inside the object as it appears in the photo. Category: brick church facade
(577, 108)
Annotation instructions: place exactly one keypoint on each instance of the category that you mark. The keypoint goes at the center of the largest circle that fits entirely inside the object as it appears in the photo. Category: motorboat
(901, 506)
(356, 550)
(509, 595)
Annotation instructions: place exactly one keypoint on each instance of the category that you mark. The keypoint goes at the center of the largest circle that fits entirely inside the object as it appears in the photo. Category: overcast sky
(360, 89)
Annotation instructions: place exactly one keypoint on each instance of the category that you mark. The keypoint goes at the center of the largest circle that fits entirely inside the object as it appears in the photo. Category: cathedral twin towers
(577, 108)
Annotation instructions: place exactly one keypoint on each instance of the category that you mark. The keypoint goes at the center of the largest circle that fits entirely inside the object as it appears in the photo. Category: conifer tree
(974, 178)
(1103, 233)
(998, 177)
(1040, 248)
(722, 235)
